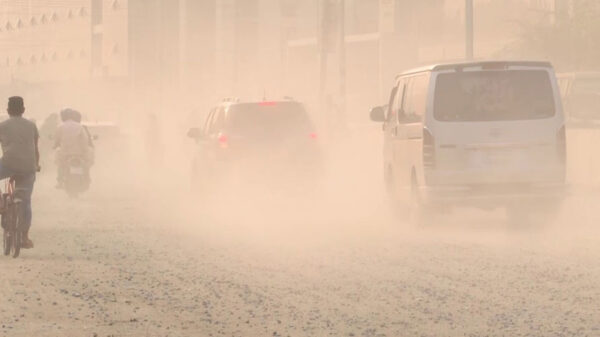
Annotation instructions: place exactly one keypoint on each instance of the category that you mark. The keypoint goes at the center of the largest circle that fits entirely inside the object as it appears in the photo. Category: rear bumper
(257, 168)
(493, 195)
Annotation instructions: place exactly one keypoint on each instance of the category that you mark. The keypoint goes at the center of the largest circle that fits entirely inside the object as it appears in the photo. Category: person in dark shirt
(20, 157)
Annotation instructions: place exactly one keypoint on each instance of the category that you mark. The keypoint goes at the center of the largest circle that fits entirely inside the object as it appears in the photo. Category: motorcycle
(77, 178)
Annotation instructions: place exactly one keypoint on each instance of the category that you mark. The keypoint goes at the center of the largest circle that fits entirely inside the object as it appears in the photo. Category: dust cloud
(143, 254)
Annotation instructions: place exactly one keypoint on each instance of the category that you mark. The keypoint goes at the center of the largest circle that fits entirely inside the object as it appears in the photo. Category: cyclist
(71, 141)
(21, 158)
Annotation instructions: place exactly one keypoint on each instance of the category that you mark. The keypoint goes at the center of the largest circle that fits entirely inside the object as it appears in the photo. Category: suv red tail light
(561, 144)
(223, 141)
(428, 149)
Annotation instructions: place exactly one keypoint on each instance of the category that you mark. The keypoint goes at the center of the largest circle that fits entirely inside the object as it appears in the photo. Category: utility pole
(96, 20)
(183, 40)
(387, 30)
(324, 41)
(288, 16)
(342, 59)
(469, 29)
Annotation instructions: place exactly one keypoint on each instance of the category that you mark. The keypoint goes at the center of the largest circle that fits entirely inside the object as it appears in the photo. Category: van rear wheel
(418, 213)
(396, 207)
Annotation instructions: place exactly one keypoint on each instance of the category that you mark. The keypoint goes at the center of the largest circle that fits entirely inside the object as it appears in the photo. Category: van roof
(460, 65)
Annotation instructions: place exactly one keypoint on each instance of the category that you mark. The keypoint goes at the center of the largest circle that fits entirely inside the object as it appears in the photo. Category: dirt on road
(126, 261)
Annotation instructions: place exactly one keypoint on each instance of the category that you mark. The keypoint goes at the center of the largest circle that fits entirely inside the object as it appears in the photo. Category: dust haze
(267, 247)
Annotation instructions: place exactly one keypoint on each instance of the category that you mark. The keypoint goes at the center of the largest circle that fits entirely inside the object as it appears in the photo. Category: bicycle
(12, 214)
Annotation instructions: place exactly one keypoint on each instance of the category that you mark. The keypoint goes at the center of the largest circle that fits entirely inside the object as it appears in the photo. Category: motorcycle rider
(71, 140)
(90, 159)
(21, 158)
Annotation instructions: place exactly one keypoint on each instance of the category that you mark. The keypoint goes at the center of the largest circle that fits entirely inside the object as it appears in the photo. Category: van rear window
(494, 96)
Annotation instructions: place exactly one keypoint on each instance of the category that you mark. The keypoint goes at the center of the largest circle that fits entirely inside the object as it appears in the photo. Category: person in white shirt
(71, 140)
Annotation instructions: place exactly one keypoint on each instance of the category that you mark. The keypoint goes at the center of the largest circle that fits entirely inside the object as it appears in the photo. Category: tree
(571, 41)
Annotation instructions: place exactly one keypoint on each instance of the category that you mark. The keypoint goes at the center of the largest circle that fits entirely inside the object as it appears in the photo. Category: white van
(581, 100)
(483, 134)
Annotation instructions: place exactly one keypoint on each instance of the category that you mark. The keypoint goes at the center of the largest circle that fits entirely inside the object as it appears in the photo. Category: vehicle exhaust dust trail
(275, 168)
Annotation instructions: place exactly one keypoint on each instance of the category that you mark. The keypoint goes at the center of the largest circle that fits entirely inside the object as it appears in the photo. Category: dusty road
(123, 263)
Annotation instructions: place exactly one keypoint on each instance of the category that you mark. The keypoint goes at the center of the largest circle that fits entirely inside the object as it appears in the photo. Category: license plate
(498, 159)
(76, 170)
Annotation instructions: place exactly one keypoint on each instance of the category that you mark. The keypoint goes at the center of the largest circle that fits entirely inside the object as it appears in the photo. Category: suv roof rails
(231, 99)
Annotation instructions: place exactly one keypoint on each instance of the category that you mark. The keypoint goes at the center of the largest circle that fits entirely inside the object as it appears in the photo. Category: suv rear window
(494, 96)
(268, 117)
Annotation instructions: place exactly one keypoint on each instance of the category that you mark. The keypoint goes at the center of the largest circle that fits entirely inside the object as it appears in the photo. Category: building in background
(100, 55)
(382, 38)
(81, 52)
(56, 53)
(112, 57)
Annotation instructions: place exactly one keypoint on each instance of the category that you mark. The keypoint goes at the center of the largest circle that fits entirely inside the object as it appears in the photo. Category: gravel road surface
(128, 261)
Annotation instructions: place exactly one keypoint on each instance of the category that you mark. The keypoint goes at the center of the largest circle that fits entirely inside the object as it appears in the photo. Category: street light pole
(183, 40)
(323, 50)
(342, 60)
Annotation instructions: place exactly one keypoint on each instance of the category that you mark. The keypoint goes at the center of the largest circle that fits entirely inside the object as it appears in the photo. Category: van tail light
(313, 135)
(428, 149)
(561, 144)
(223, 141)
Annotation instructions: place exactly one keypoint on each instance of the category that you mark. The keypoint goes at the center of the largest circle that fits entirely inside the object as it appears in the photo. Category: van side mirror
(195, 133)
(377, 114)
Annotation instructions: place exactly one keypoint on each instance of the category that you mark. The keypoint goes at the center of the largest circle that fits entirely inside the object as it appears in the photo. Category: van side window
(406, 101)
(396, 109)
(415, 102)
(392, 115)
(420, 91)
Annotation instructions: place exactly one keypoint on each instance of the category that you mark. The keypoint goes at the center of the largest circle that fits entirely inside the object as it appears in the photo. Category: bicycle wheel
(7, 242)
(17, 233)
(8, 229)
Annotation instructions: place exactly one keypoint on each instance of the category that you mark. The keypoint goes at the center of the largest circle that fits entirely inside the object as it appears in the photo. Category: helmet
(70, 114)
(76, 116)
(65, 114)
